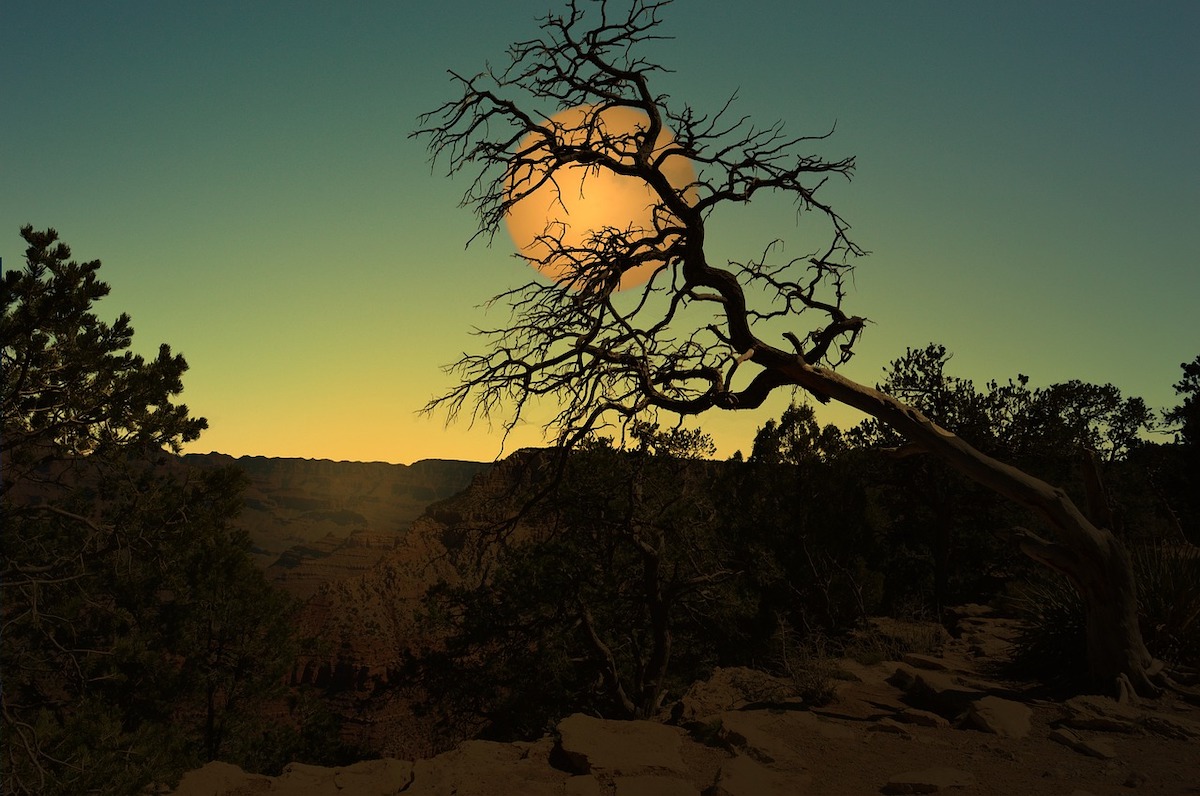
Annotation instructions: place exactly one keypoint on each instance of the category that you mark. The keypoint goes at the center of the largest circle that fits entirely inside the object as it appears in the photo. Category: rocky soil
(939, 723)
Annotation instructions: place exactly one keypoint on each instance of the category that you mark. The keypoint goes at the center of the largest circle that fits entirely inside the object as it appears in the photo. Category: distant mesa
(312, 521)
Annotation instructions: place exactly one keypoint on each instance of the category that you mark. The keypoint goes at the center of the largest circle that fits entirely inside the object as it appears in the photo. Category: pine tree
(104, 543)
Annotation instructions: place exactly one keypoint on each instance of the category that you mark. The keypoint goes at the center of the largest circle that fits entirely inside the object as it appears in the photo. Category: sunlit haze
(1026, 184)
(552, 217)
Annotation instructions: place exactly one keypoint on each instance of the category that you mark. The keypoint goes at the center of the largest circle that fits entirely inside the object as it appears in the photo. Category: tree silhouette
(1039, 429)
(604, 595)
(1182, 474)
(696, 336)
(135, 625)
(1186, 416)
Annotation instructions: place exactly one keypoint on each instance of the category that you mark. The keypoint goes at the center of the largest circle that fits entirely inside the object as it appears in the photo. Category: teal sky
(1027, 184)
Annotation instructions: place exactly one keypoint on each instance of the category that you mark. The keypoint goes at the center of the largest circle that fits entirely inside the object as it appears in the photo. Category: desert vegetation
(701, 336)
(610, 582)
(141, 640)
(610, 573)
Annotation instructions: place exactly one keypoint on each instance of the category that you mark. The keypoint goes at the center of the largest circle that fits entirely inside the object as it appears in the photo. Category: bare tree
(694, 338)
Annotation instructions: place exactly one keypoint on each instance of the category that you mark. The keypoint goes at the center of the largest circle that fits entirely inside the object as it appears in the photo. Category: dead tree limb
(697, 336)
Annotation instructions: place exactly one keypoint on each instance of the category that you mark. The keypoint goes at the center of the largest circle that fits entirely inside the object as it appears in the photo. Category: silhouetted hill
(315, 520)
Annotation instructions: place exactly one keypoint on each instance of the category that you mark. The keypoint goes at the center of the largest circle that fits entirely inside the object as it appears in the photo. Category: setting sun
(584, 200)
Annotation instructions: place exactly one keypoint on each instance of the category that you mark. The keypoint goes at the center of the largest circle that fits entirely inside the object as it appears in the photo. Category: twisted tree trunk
(1085, 551)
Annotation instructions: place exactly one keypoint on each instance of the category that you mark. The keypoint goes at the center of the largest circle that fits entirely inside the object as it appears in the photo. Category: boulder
(934, 691)
(781, 738)
(1003, 717)
(374, 777)
(218, 779)
(891, 727)
(477, 767)
(1172, 727)
(1100, 713)
(923, 718)
(919, 661)
(302, 779)
(986, 645)
(620, 748)
(484, 768)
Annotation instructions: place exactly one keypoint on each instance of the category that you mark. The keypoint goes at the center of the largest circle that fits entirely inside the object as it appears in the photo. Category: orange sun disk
(592, 199)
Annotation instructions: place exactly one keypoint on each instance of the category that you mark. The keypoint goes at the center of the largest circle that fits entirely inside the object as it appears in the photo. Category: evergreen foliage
(1186, 416)
(1178, 473)
(138, 638)
(814, 532)
(948, 522)
(613, 593)
(603, 359)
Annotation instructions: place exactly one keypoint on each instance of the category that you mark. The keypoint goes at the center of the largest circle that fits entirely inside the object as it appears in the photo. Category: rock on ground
(218, 779)
(485, 768)
(1092, 747)
(1099, 713)
(729, 688)
(935, 691)
(750, 738)
(1003, 717)
(929, 780)
(621, 748)
(742, 776)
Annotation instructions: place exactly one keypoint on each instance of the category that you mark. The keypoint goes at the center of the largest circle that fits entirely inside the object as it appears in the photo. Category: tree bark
(652, 689)
(941, 549)
(1089, 555)
(610, 671)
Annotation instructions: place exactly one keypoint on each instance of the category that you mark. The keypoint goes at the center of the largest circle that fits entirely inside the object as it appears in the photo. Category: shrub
(1168, 578)
(889, 639)
(1052, 646)
(808, 661)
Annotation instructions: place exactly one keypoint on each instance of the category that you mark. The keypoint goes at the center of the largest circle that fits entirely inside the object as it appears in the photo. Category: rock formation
(745, 733)
(317, 521)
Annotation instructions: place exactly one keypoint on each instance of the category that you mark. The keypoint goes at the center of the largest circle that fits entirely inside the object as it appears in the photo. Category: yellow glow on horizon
(587, 199)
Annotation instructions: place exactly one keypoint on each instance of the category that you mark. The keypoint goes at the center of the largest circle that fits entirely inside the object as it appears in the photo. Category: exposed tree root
(1155, 682)
(1188, 693)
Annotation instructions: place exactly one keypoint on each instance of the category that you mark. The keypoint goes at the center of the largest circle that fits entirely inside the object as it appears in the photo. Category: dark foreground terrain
(936, 723)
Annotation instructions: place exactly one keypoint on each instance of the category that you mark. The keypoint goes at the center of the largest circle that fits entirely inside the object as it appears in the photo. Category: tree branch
(608, 662)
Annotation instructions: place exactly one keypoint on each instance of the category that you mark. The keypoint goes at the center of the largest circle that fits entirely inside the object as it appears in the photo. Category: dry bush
(889, 639)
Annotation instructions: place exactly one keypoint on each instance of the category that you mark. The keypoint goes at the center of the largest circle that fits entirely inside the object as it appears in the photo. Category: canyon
(357, 545)
(316, 521)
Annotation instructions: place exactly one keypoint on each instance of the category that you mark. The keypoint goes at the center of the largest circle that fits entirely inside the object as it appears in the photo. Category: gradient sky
(1027, 184)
